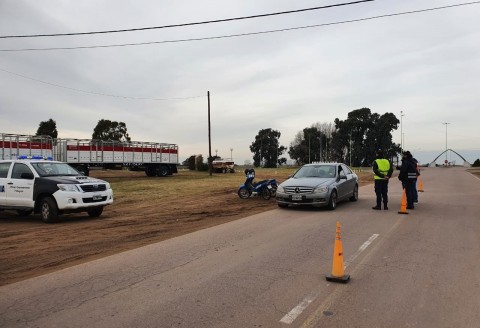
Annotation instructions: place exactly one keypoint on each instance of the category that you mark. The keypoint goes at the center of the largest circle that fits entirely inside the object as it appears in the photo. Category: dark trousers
(415, 192)
(410, 189)
(381, 190)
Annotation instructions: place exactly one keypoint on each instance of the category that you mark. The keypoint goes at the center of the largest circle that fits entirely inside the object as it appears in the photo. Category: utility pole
(210, 169)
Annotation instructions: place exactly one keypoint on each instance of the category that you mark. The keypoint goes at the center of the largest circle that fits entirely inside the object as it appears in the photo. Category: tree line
(104, 130)
(354, 141)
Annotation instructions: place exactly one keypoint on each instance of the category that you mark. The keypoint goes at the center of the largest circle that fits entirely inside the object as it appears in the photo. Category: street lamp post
(350, 152)
(446, 142)
(276, 148)
(320, 143)
(326, 149)
(309, 161)
(231, 154)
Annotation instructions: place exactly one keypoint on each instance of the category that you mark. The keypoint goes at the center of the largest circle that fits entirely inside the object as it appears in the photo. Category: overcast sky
(425, 64)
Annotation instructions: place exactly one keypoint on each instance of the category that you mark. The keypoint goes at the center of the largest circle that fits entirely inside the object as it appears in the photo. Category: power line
(187, 24)
(244, 34)
(207, 38)
(96, 93)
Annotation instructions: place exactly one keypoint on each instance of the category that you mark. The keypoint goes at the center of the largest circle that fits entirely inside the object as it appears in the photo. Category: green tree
(357, 138)
(111, 130)
(266, 149)
(190, 163)
(47, 128)
(199, 164)
(311, 144)
(476, 163)
(307, 146)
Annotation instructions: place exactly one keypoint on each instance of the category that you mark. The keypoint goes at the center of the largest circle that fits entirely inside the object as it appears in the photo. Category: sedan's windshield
(45, 169)
(316, 171)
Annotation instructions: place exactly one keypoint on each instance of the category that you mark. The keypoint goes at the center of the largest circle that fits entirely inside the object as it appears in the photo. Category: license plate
(296, 197)
(97, 197)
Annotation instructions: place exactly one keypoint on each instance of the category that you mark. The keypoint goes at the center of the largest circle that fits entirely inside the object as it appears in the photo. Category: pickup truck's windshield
(45, 169)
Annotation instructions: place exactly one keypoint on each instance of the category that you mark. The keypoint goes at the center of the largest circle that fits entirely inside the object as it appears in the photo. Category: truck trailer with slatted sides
(156, 159)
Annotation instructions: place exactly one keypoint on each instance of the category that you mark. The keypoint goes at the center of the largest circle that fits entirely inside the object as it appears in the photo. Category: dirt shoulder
(30, 247)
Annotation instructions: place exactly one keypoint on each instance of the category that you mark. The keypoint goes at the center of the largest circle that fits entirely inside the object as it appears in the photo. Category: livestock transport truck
(156, 159)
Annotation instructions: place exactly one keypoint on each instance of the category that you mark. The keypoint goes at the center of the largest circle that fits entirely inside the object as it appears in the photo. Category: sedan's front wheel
(354, 197)
(332, 204)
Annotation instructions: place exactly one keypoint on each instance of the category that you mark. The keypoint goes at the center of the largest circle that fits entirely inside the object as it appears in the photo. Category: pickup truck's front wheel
(48, 210)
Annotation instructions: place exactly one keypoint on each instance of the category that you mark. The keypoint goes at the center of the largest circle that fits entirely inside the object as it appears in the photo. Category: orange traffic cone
(338, 269)
(420, 184)
(403, 206)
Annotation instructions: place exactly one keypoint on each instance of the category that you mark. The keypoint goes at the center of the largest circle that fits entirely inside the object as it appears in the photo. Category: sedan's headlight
(107, 185)
(280, 189)
(320, 190)
(67, 187)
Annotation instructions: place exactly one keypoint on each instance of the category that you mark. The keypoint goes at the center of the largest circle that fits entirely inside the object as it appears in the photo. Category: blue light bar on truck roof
(49, 158)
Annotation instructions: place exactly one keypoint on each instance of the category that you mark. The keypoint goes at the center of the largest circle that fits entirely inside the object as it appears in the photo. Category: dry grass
(135, 186)
(132, 187)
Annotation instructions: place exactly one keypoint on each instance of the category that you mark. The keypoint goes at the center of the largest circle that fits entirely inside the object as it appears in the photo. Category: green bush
(476, 163)
(199, 164)
(202, 167)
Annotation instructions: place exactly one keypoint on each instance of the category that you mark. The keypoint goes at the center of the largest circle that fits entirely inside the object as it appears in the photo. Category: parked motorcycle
(265, 188)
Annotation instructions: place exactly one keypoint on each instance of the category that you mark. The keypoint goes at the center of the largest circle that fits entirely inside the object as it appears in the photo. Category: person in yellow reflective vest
(382, 171)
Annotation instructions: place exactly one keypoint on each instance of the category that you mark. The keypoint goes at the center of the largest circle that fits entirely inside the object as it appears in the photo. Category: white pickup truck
(50, 188)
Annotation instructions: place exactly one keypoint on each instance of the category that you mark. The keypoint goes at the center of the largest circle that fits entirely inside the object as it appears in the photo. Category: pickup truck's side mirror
(27, 176)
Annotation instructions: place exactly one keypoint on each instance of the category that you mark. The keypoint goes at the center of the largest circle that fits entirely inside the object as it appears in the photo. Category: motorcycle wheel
(266, 193)
(243, 193)
(274, 190)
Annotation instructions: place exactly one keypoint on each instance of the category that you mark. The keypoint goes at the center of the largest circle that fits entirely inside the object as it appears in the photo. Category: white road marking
(296, 311)
(360, 250)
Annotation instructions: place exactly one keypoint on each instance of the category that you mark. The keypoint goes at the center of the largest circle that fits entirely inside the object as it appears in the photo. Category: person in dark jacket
(415, 191)
(408, 176)
(382, 171)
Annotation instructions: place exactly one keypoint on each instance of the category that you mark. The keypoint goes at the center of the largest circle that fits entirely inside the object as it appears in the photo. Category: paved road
(268, 270)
